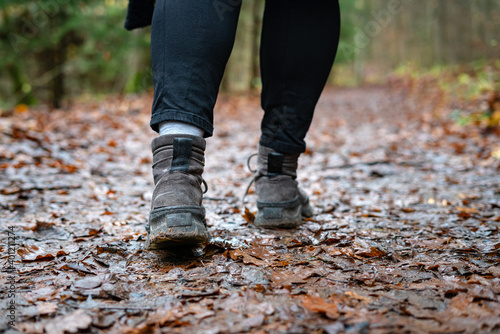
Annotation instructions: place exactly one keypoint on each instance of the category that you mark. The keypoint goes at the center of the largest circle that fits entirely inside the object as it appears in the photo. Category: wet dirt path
(405, 236)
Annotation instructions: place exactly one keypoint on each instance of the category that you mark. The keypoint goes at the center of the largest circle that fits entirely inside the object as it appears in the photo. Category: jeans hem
(181, 116)
(282, 147)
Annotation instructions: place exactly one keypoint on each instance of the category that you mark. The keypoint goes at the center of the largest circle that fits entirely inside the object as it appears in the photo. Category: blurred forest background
(54, 51)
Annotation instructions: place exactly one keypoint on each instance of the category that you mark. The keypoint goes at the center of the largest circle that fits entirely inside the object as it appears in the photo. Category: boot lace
(205, 185)
(253, 178)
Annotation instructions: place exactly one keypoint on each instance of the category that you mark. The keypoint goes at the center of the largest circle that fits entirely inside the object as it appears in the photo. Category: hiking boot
(177, 217)
(281, 202)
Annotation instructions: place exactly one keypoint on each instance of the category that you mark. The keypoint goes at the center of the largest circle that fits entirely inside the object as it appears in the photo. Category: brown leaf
(46, 308)
(253, 321)
(93, 231)
(249, 216)
(40, 226)
(72, 322)
(10, 190)
(286, 278)
(147, 328)
(199, 311)
(461, 301)
(476, 279)
(407, 210)
(198, 292)
(260, 288)
(30, 327)
(43, 293)
(418, 313)
(495, 271)
(166, 315)
(298, 241)
(62, 166)
(104, 319)
(34, 253)
(89, 282)
(77, 267)
(61, 253)
(319, 305)
(374, 252)
(354, 295)
(464, 215)
(238, 254)
(260, 252)
(467, 210)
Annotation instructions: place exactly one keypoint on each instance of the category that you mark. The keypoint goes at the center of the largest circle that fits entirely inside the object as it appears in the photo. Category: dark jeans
(191, 41)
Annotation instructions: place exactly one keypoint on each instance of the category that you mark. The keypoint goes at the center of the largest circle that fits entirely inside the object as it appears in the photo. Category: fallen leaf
(319, 305)
(41, 225)
(249, 216)
(476, 279)
(77, 267)
(253, 321)
(467, 210)
(72, 248)
(43, 293)
(260, 252)
(10, 190)
(407, 210)
(374, 252)
(286, 278)
(238, 254)
(72, 322)
(354, 295)
(461, 301)
(199, 311)
(34, 253)
(89, 282)
(21, 108)
(46, 308)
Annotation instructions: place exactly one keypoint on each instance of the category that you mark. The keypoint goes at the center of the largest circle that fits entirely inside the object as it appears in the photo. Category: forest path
(405, 236)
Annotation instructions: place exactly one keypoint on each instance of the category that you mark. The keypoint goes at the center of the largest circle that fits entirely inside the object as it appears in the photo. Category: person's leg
(298, 47)
(190, 44)
(191, 41)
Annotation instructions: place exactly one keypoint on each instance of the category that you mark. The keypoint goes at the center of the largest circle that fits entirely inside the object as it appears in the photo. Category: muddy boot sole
(279, 214)
(176, 227)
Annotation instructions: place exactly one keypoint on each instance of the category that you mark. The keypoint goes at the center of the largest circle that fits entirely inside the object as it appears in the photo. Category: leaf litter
(404, 237)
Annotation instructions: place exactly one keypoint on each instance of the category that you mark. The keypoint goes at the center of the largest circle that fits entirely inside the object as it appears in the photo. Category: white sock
(180, 128)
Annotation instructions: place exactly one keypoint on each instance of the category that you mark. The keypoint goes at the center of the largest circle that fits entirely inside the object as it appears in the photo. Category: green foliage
(475, 85)
(464, 118)
(80, 44)
(471, 81)
(51, 49)
(349, 14)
